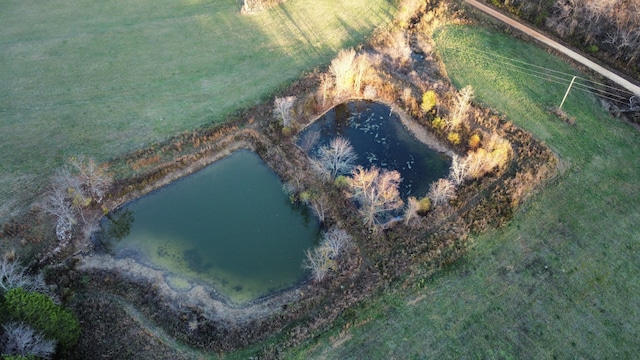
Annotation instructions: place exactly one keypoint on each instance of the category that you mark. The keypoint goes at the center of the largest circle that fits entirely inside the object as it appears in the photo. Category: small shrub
(429, 101)
(287, 131)
(454, 138)
(474, 142)
(305, 197)
(424, 206)
(342, 182)
(438, 123)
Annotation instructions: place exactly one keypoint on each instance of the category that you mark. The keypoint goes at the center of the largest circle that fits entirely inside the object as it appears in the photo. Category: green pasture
(562, 280)
(102, 78)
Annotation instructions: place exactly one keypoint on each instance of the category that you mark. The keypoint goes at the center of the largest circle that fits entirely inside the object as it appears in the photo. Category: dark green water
(229, 225)
(380, 139)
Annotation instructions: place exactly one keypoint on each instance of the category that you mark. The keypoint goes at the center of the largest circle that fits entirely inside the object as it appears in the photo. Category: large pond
(379, 138)
(229, 225)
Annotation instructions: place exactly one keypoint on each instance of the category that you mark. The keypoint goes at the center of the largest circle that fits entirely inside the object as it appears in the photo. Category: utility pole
(567, 93)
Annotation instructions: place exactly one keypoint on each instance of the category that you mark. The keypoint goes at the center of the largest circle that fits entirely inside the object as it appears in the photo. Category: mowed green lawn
(101, 78)
(563, 279)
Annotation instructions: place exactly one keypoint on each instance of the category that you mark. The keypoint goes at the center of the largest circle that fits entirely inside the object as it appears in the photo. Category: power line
(508, 59)
(557, 77)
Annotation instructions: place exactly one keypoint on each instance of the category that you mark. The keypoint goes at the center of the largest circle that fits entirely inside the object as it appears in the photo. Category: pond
(379, 138)
(229, 226)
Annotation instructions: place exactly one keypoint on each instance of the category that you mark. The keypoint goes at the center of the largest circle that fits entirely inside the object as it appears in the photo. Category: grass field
(562, 280)
(101, 78)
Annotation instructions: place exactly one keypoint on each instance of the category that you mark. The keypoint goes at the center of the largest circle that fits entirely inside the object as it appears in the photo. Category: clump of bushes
(33, 325)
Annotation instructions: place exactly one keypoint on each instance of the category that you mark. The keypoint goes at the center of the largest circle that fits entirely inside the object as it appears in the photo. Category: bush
(438, 123)
(342, 182)
(429, 101)
(42, 314)
(454, 138)
(424, 206)
(474, 142)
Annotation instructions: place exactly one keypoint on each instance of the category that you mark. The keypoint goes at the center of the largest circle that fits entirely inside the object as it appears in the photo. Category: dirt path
(557, 46)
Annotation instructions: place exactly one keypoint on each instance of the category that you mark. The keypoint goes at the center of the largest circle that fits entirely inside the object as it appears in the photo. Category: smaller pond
(379, 138)
(229, 226)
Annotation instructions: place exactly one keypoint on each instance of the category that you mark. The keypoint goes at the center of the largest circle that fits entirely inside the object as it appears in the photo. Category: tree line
(608, 26)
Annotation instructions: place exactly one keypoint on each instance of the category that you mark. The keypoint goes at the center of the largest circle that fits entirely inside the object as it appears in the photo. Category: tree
(309, 140)
(459, 170)
(13, 275)
(72, 190)
(20, 339)
(282, 109)
(335, 241)
(318, 205)
(56, 203)
(411, 211)
(93, 178)
(461, 107)
(495, 153)
(343, 70)
(376, 192)
(361, 65)
(441, 191)
(319, 263)
(337, 158)
(322, 258)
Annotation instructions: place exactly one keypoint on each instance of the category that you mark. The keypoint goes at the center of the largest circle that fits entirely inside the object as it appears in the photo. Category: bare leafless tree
(376, 191)
(93, 178)
(441, 191)
(72, 190)
(319, 205)
(20, 339)
(309, 140)
(338, 157)
(461, 108)
(411, 211)
(323, 258)
(459, 170)
(13, 275)
(57, 203)
(335, 241)
(362, 65)
(343, 70)
(319, 169)
(282, 108)
(319, 263)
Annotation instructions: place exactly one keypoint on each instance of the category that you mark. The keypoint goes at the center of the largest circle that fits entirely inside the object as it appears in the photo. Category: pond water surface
(379, 138)
(229, 225)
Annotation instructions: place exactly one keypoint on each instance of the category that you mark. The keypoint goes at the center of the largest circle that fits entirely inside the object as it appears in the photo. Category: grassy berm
(562, 280)
(103, 78)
